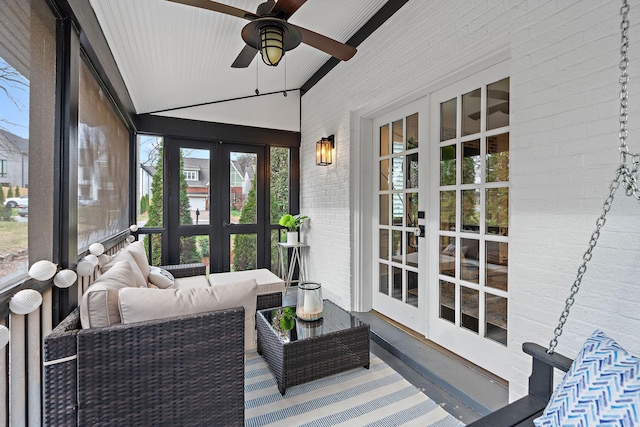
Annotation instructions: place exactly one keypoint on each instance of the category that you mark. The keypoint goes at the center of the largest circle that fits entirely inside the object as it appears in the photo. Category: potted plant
(283, 321)
(292, 223)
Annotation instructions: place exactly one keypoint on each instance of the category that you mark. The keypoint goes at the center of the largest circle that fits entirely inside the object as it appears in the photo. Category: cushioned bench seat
(270, 286)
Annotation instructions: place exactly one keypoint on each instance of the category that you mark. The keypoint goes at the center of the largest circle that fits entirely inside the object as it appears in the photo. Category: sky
(14, 119)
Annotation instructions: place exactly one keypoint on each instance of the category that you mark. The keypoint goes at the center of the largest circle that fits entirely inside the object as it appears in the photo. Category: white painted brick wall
(564, 106)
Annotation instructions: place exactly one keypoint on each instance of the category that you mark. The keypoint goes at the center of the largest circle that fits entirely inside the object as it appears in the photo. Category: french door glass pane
(469, 308)
(384, 140)
(471, 166)
(498, 158)
(496, 318)
(448, 116)
(412, 249)
(279, 185)
(448, 256)
(397, 174)
(398, 209)
(498, 104)
(384, 244)
(243, 251)
(448, 210)
(384, 174)
(397, 283)
(242, 199)
(448, 165)
(398, 137)
(469, 260)
(497, 265)
(384, 209)
(471, 211)
(497, 211)
(396, 248)
(471, 112)
(412, 131)
(383, 281)
(412, 209)
(412, 170)
(447, 301)
(412, 288)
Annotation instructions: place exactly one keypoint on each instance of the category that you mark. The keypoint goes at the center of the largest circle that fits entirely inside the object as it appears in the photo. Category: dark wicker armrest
(181, 371)
(186, 270)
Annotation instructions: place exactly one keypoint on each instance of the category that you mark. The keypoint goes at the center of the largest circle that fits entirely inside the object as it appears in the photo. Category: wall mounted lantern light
(324, 151)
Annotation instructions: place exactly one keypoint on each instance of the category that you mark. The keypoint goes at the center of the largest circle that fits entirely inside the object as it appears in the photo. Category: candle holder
(309, 305)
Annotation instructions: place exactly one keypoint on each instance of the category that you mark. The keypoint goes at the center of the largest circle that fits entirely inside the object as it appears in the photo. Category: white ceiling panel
(174, 56)
(272, 111)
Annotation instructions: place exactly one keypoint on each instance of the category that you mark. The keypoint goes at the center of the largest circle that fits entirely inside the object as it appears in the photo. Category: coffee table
(336, 343)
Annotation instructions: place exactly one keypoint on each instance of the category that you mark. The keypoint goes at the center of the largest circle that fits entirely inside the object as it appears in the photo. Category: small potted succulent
(292, 223)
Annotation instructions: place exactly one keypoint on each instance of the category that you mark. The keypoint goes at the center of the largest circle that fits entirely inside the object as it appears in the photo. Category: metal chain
(625, 176)
(602, 219)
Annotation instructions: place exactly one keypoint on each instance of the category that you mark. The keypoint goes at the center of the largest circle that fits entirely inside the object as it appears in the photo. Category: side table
(297, 258)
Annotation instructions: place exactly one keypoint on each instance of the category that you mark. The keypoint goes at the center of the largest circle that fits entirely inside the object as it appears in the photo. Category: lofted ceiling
(176, 60)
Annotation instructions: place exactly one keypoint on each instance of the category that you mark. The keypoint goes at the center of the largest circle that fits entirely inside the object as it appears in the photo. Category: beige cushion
(126, 256)
(160, 277)
(191, 282)
(136, 249)
(268, 283)
(140, 304)
(99, 305)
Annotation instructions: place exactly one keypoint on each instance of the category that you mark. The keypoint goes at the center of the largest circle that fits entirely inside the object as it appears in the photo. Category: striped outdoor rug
(378, 396)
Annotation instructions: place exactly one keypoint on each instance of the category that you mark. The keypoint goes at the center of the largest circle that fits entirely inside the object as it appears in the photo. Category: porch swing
(600, 357)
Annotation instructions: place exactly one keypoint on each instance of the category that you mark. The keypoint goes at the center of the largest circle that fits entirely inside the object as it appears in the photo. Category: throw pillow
(141, 304)
(126, 256)
(136, 249)
(161, 278)
(99, 305)
(602, 387)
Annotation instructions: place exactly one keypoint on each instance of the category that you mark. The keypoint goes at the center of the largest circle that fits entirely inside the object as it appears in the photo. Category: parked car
(23, 210)
(13, 202)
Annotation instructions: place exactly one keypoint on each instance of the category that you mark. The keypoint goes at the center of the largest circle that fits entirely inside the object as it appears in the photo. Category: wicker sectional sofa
(135, 356)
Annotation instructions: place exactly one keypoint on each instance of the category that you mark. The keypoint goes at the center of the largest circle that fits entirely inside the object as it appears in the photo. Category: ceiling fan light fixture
(271, 44)
(272, 37)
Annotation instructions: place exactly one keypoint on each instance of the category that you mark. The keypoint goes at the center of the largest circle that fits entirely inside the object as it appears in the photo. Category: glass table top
(333, 319)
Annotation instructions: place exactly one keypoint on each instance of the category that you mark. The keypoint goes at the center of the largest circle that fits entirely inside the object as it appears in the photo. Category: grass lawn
(13, 236)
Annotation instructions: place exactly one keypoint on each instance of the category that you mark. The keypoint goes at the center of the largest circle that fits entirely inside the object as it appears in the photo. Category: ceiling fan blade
(286, 8)
(333, 47)
(218, 7)
(245, 57)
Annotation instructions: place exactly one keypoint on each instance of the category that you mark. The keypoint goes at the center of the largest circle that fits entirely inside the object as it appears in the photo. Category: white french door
(469, 234)
(400, 172)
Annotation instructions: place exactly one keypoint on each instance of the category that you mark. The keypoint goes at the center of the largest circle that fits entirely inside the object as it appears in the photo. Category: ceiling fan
(271, 34)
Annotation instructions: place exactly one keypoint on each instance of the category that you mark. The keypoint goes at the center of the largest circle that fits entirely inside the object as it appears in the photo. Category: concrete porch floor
(461, 388)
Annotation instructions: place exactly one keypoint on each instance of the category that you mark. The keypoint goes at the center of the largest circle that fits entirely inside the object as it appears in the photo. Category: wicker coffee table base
(298, 362)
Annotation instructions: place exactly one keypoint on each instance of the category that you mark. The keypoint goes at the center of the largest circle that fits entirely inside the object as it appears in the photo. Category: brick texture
(564, 126)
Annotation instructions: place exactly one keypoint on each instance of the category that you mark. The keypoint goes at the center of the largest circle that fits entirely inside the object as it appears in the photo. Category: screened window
(103, 164)
(27, 131)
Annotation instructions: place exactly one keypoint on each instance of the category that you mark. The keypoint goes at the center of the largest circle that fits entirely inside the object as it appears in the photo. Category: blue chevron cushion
(602, 388)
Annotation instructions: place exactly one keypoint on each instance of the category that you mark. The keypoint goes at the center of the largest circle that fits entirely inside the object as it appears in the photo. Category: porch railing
(28, 319)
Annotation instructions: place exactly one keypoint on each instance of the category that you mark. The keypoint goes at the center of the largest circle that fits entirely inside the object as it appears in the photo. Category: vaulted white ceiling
(172, 56)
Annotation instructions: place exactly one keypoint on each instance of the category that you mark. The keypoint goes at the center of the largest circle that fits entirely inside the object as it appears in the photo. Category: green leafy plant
(285, 317)
(292, 222)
